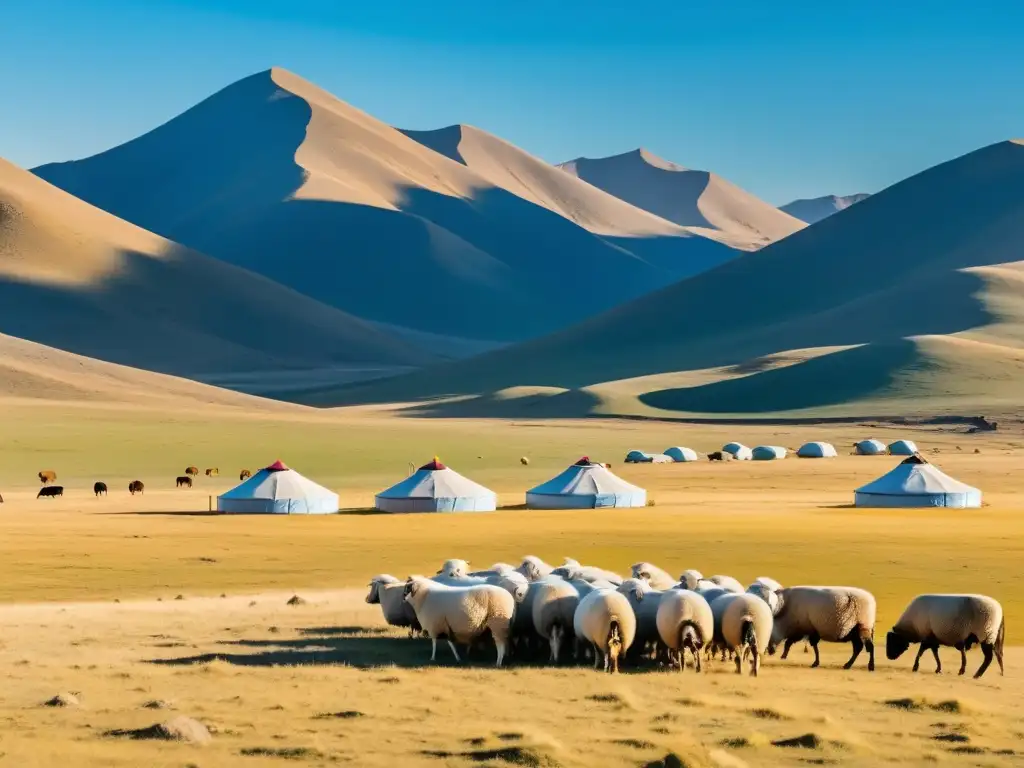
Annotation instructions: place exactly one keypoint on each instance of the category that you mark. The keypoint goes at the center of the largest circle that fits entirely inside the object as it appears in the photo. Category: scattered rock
(117, 600)
(63, 700)
(223, 595)
(296, 600)
(182, 728)
(806, 741)
(273, 630)
(977, 450)
(252, 603)
(180, 597)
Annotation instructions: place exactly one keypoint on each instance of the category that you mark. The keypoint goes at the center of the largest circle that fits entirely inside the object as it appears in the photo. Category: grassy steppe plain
(277, 667)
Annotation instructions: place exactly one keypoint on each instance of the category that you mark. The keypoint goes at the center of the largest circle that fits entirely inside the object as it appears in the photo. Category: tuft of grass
(804, 741)
(283, 753)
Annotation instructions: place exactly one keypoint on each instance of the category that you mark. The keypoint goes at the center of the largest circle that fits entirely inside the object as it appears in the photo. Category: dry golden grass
(325, 683)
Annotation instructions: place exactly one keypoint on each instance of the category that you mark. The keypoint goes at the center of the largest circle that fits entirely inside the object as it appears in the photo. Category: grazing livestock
(720, 456)
(244, 474)
(605, 620)
(1, 498)
(47, 476)
(183, 480)
(136, 486)
(100, 489)
(832, 614)
(212, 472)
(746, 628)
(191, 470)
(50, 491)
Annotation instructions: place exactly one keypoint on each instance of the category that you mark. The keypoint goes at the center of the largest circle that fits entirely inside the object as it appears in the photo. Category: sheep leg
(597, 658)
(739, 664)
(455, 652)
(858, 646)
(986, 649)
(755, 662)
(935, 652)
(813, 639)
(433, 650)
(502, 646)
(920, 653)
(963, 658)
(696, 660)
(870, 645)
(790, 641)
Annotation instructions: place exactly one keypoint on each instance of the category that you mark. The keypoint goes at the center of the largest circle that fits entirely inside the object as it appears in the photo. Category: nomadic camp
(916, 483)
(870, 448)
(585, 485)
(679, 454)
(436, 488)
(817, 450)
(278, 490)
(642, 457)
(738, 451)
(902, 448)
(768, 453)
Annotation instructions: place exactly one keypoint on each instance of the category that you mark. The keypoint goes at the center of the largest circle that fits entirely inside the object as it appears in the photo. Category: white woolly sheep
(769, 582)
(728, 583)
(690, 579)
(454, 569)
(534, 569)
(684, 623)
(653, 575)
(605, 619)
(766, 593)
(461, 613)
(498, 569)
(746, 627)
(958, 621)
(389, 593)
(571, 569)
(554, 607)
(833, 614)
(644, 602)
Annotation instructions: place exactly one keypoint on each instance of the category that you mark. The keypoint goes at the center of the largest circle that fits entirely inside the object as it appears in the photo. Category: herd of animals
(537, 610)
(49, 490)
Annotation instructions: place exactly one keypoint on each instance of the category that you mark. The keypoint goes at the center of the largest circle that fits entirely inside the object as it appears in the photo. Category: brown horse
(184, 480)
(212, 472)
(47, 476)
(136, 486)
(191, 470)
(244, 474)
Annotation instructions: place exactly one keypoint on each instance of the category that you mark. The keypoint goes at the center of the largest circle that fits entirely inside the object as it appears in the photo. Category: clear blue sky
(787, 99)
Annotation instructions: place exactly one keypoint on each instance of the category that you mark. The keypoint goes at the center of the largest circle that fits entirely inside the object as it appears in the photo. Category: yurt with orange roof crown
(278, 490)
(585, 485)
(436, 488)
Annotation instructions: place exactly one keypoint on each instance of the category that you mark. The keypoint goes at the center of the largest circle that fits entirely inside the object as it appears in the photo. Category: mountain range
(815, 209)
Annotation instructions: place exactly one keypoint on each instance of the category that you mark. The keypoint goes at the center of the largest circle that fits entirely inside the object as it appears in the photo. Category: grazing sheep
(498, 569)
(766, 593)
(534, 569)
(212, 472)
(47, 476)
(192, 471)
(51, 491)
(653, 575)
(461, 614)
(605, 619)
(690, 579)
(571, 569)
(183, 480)
(833, 614)
(718, 601)
(728, 583)
(746, 625)
(644, 601)
(244, 475)
(389, 593)
(524, 461)
(684, 622)
(454, 569)
(552, 612)
(958, 621)
(771, 583)
(99, 488)
(136, 486)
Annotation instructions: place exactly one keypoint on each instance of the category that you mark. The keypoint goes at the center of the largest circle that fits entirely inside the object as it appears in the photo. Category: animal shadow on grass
(351, 646)
(166, 513)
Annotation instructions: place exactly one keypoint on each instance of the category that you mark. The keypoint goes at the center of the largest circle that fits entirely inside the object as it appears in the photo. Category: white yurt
(817, 450)
(738, 451)
(902, 448)
(916, 483)
(642, 457)
(768, 453)
(436, 488)
(278, 490)
(870, 448)
(678, 453)
(585, 485)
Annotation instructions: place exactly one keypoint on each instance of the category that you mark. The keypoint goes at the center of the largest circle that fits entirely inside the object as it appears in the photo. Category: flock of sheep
(536, 607)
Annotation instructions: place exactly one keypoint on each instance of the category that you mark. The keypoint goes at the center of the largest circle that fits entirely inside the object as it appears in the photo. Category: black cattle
(50, 490)
(100, 489)
(184, 480)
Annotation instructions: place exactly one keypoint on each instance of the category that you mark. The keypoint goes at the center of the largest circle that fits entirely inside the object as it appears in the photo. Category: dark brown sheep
(47, 476)
(191, 470)
(100, 489)
(244, 474)
(136, 486)
(50, 491)
(720, 456)
(184, 480)
(212, 472)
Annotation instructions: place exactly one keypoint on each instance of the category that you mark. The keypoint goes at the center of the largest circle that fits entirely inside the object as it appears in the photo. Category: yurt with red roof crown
(278, 490)
(437, 488)
(585, 485)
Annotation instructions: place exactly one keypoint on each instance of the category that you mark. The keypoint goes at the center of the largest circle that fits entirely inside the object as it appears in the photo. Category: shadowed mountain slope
(817, 208)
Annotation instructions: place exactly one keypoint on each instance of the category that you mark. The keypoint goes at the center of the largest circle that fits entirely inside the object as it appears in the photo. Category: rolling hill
(911, 301)
(697, 200)
(278, 176)
(79, 279)
(815, 209)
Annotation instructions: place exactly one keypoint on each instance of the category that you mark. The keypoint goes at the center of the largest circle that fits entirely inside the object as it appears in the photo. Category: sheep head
(895, 645)
(454, 569)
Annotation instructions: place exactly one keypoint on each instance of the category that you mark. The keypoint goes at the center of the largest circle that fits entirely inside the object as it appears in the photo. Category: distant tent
(436, 488)
(585, 485)
(870, 448)
(768, 453)
(916, 483)
(642, 457)
(738, 451)
(817, 451)
(902, 448)
(278, 490)
(681, 454)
